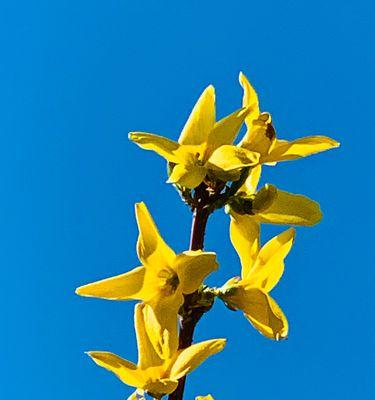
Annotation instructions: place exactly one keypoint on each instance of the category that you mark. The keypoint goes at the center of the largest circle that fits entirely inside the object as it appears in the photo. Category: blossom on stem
(272, 205)
(204, 147)
(261, 135)
(262, 268)
(161, 280)
(155, 373)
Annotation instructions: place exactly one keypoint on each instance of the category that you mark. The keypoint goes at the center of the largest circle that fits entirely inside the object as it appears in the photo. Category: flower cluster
(210, 171)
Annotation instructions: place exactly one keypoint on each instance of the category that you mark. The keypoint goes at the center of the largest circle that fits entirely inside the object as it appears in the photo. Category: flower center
(168, 280)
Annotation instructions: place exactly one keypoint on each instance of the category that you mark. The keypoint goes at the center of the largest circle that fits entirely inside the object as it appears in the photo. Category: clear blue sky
(76, 77)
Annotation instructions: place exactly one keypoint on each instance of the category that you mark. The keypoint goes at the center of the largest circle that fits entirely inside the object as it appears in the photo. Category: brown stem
(193, 313)
(198, 228)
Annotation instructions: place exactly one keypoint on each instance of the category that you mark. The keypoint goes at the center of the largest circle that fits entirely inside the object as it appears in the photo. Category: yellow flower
(161, 280)
(155, 373)
(208, 397)
(204, 147)
(272, 205)
(261, 136)
(261, 270)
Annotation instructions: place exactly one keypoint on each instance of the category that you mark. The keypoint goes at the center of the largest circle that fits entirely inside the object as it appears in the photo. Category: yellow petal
(251, 183)
(269, 265)
(261, 310)
(224, 176)
(226, 130)
(161, 323)
(249, 100)
(125, 370)
(268, 318)
(284, 150)
(244, 235)
(291, 209)
(193, 267)
(147, 354)
(261, 137)
(121, 287)
(152, 251)
(208, 397)
(159, 144)
(201, 120)
(188, 175)
(264, 198)
(161, 386)
(189, 359)
(229, 158)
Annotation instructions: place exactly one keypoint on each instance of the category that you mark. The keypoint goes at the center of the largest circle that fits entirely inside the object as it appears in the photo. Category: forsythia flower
(155, 373)
(261, 136)
(261, 270)
(204, 147)
(272, 205)
(162, 279)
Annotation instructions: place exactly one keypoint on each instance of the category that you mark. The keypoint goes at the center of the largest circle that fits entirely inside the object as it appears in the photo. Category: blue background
(76, 77)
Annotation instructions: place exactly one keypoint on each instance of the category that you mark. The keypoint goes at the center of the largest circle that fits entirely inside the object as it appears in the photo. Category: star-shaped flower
(161, 280)
(205, 147)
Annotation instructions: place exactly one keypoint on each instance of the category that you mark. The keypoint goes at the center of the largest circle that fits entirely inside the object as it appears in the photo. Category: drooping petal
(147, 354)
(285, 150)
(228, 158)
(269, 265)
(152, 250)
(226, 130)
(121, 287)
(125, 370)
(159, 144)
(268, 318)
(188, 175)
(291, 209)
(261, 310)
(190, 358)
(161, 323)
(201, 120)
(244, 235)
(249, 100)
(193, 267)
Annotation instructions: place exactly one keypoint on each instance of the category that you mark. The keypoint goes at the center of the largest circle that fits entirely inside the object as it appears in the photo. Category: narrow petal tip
(133, 136)
(288, 235)
(219, 344)
(293, 232)
(81, 291)
(140, 208)
(332, 142)
(211, 89)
